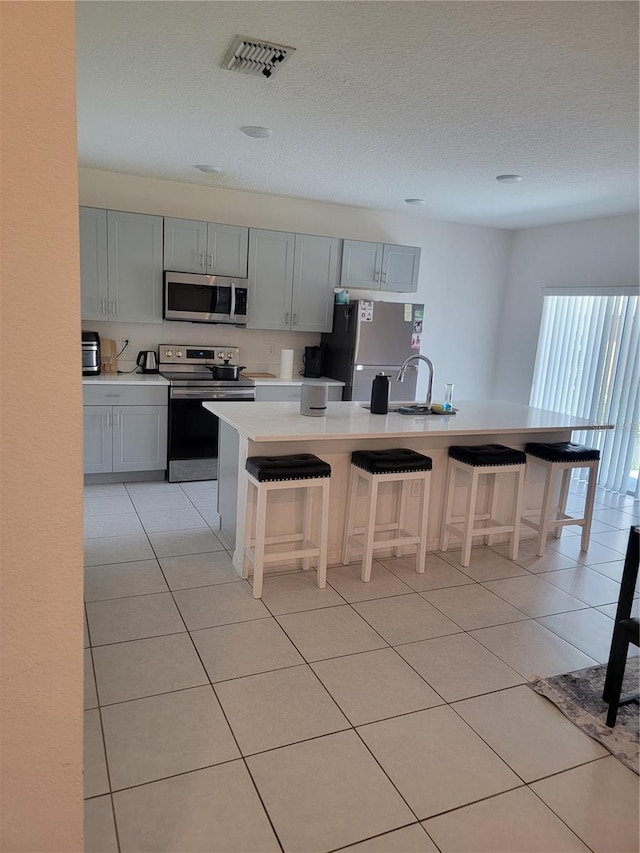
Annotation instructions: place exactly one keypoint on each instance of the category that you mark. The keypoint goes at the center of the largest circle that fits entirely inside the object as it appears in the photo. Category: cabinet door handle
(295, 319)
(105, 420)
(211, 260)
(202, 263)
(116, 420)
(384, 275)
(103, 306)
(286, 319)
(108, 417)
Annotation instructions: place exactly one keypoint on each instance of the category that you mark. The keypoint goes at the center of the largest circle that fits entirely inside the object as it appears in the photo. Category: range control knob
(229, 355)
(221, 355)
(169, 353)
(179, 353)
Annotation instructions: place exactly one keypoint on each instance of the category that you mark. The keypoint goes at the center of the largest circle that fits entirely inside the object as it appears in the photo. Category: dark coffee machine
(312, 360)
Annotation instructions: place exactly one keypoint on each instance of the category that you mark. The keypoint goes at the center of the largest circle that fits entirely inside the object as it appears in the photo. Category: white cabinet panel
(380, 266)
(185, 245)
(400, 267)
(134, 247)
(315, 276)
(98, 448)
(227, 250)
(271, 278)
(139, 438)
(93, 263)
(361, 264)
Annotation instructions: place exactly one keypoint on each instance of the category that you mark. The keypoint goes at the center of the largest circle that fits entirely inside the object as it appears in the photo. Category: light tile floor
(387, 718)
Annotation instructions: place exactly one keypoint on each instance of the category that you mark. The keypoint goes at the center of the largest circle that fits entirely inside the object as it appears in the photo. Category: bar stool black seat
(555, 457)
(296, 466)
(393, 461)
(487, 454)
(626, 630)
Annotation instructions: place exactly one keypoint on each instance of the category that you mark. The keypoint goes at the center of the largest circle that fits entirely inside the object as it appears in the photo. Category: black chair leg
(615, 676)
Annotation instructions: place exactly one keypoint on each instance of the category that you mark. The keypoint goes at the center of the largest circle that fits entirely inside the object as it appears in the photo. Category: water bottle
(380, 395)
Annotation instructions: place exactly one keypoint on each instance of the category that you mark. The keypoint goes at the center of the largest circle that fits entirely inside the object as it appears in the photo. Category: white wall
(462, 272)
(601, 252)
(41, 611)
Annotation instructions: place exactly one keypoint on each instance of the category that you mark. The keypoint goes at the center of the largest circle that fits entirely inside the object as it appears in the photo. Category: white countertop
(298, 380)
(283, 421)
(125, 379)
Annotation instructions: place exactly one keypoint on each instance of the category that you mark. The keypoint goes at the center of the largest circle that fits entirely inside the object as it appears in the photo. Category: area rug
(579, 696)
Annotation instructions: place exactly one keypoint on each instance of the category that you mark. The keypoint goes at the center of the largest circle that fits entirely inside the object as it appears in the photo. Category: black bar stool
(475, 462)
(270, 473)
(562, 456)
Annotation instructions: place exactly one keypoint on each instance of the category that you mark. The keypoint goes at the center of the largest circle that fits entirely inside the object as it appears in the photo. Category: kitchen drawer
(125, 395)
(278, 393)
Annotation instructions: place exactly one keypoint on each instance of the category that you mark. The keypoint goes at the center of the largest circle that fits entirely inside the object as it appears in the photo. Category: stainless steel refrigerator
(369, 338)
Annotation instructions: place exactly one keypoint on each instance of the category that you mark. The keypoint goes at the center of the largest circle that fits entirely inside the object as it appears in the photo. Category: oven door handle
(232, 313)
(199, 394)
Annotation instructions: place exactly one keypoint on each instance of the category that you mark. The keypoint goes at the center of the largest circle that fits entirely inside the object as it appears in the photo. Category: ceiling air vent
(260, 58)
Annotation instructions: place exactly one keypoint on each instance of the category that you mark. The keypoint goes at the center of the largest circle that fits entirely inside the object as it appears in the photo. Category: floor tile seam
(205, 683)
(162, 591)
(133, 639)
(550, 585)
(127, 597)
(203, 526)
(371, 598)
(569, 642)
(462, 627)
(556, 813)
(382, 835)
(102, 733)
(146, 782)
(500, 658)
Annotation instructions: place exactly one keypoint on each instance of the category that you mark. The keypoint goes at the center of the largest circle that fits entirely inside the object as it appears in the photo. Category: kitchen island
(257, 429)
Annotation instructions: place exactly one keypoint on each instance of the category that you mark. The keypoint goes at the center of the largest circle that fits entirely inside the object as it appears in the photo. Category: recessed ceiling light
(256, 132)
(414, 201)
(508, 179)
(205, 168)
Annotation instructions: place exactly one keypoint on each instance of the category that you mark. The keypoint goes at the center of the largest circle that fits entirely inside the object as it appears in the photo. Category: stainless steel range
(193, 432)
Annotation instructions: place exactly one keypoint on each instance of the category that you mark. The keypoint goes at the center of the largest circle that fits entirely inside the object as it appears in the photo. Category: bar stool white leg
(588, 508)
(402, 506)
(248, 527)
(493, 506)
(544, 516)
(562, 500)
(369, 530)
(517, 514)
(348, 524)
(261, 526)
(448, 506)
(467, 539)
(307, 523)
(324, 536)
(421, 557)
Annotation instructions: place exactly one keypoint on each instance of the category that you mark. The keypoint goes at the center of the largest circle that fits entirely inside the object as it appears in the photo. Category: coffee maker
(313, 360)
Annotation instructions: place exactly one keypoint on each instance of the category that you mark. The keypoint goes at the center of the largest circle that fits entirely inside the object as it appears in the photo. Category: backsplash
(254, 344)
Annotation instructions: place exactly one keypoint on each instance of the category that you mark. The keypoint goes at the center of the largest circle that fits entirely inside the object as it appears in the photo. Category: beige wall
(40, 438)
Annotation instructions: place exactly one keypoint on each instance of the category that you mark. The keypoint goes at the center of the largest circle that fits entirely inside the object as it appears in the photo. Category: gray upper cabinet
(271, 279)
(380, 266)
(205, 247)
(315, 276)
(361, 264)
(292, 277)
(93, 263)
(134, 265)
(120, 266)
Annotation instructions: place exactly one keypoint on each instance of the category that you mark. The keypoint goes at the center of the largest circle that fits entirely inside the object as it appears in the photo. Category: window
(587, 365)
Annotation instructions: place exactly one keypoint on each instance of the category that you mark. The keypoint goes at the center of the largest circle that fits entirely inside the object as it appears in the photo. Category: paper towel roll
(286, 364)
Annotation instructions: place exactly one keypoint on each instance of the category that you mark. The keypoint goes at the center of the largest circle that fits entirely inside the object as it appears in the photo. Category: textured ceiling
(380, 102)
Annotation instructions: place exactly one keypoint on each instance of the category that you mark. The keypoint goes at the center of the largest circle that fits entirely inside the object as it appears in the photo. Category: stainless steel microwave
(195, 298)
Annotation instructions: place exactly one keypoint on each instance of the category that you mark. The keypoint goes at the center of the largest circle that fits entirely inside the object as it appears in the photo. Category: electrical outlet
(415, 488)
(125, 343)
(271, 349)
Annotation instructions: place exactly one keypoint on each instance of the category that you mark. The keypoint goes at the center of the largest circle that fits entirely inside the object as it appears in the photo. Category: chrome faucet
(403, 368)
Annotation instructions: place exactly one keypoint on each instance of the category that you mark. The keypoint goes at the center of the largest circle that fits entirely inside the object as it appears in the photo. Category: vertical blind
(587, 364)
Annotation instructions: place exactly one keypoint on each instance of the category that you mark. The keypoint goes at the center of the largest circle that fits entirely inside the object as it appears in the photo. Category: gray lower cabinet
(205, 247)
(292, 278)
(126, 437)
(380, 266)
(287, 393)
(120, 266)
